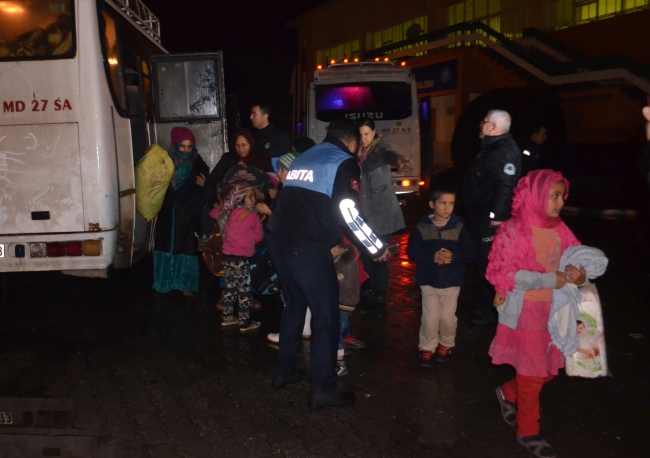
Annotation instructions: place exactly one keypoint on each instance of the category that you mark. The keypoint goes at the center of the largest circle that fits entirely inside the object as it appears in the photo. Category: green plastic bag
(153, 173)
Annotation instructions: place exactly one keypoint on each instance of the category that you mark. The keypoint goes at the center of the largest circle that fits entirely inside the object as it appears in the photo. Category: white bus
(85, 87)
(380, 91)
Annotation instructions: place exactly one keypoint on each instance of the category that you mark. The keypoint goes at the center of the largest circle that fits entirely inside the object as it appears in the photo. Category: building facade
(591, 55)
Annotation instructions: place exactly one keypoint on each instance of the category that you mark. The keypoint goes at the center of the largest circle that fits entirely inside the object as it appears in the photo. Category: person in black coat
(532, 150)
(176, 265)
(268, 138)
(488, 188)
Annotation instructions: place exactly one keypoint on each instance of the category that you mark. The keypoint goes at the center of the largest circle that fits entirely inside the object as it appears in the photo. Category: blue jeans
(345, 327)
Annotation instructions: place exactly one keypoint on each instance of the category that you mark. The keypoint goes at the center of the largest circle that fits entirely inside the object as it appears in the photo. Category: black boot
(280, 381)
(320, 397)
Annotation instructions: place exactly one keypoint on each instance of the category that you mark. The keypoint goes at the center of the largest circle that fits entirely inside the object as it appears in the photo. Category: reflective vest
(316, 168)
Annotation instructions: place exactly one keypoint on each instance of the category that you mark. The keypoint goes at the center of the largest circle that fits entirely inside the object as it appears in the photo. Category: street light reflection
(11, 8)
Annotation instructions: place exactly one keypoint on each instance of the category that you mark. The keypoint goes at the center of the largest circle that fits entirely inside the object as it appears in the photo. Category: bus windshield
(378, 100)
(36, 29)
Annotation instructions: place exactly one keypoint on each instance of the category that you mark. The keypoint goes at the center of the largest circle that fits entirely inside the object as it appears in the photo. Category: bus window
(38, 29)
(387, 101)
(187, 87)
(113, 60)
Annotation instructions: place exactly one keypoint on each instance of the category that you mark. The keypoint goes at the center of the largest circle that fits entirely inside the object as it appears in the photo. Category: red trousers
(524, 391)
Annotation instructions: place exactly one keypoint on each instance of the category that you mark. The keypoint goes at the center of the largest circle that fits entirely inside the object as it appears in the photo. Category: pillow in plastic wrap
(590, 360)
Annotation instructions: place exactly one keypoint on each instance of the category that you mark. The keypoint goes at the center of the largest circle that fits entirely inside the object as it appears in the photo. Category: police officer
(319, 197)
(488, 189)
(268, 138)
(531, 149)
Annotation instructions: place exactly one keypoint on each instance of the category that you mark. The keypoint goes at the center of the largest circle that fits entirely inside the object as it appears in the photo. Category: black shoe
(279, 381)
(320, 397)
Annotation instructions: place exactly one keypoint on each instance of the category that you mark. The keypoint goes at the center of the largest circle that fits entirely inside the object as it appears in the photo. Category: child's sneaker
(425, 358)
(508, 409)
(341, 368)
(442, 354)
(353, 342)
(537, 446)
(248, 325)
(229, 321)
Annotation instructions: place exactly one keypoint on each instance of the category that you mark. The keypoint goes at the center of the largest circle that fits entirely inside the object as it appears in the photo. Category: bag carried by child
(590, 360)
(264, 279)
(213, 251)
(153, 173)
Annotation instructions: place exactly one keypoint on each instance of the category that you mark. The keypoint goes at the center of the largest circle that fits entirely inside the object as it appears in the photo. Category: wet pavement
(91, 364)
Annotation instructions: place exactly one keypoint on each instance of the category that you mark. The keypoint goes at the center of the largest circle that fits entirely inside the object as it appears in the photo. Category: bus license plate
(2, 255)
(6, 418)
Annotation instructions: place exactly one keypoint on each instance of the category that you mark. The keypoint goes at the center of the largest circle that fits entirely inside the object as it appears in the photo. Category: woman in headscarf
(176, 265)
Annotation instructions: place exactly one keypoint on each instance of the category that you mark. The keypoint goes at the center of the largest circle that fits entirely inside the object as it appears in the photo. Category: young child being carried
(440, 245)
(524, 263)
(242, 230)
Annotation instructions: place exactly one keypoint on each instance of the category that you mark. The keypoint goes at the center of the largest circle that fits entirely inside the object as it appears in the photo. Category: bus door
(188, 91)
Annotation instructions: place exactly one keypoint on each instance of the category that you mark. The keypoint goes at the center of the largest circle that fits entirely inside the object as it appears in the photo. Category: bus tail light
(403, 64)
(319, 67)
(92, 248)
(386, 59)
(73, 249)
(55, 249)
(356, 59)
(345, 61)
(37, 250)
(376, 59)
(421, 183)
(405, 182)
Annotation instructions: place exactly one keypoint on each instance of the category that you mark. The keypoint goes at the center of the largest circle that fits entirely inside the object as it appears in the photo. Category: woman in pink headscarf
(176, 265)
(523, 267)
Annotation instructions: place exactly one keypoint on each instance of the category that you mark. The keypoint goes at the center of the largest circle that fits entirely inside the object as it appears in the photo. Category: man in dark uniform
(488, 189)
(319, 197)
(268, 138)
(531, 150)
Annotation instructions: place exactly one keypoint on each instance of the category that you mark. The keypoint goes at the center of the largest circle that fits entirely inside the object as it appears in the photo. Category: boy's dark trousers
(482, 235)
(308, 278)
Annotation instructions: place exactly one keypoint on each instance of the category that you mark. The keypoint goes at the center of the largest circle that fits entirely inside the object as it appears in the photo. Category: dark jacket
(426, 240)
(312, 220)
(272, 140)
(187, 205)
(380, 205)
(492, 177)
(227, 162)
(531, 157)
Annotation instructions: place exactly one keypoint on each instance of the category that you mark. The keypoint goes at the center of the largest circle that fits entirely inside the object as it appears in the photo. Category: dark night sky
(259, 49)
